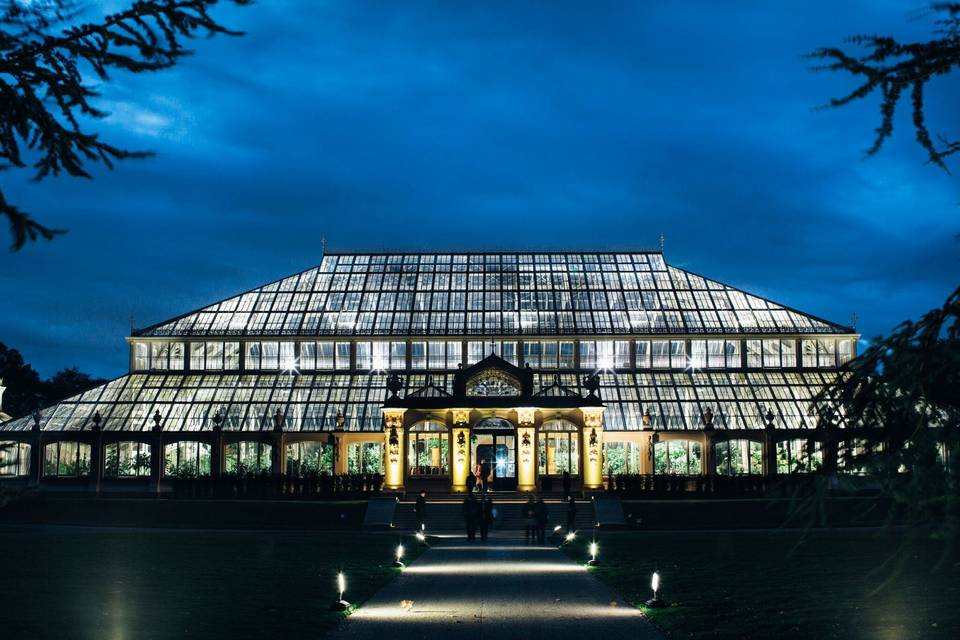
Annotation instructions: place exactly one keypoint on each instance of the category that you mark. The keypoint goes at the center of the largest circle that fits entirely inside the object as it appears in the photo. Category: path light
(397, 562)
(570, 537)
(421, 537)
(655, 602)
(593, 554)
(340, 604)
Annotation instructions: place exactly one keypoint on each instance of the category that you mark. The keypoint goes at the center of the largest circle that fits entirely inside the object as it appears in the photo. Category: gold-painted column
(393, 441)
(593, 448)
(460, 466)
(526, 438)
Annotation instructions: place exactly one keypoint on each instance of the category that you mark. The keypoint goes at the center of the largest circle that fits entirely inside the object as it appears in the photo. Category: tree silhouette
(897, 69)
(900, 402)
(46, 102)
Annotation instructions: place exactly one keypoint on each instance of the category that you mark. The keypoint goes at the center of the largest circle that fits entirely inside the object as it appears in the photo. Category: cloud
(501, 125)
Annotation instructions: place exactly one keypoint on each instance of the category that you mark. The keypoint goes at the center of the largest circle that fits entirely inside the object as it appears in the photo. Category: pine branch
(44, 97)
(23, 227)
(891, 68)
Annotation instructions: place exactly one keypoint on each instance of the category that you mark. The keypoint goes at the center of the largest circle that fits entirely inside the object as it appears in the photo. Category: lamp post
(655, 602)
(340, 604)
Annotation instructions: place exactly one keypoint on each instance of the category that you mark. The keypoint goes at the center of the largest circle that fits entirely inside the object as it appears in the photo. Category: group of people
(481, 479)
(478, 513)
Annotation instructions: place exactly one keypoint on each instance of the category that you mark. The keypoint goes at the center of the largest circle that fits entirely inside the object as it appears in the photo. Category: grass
(781, 585)
(59, 582)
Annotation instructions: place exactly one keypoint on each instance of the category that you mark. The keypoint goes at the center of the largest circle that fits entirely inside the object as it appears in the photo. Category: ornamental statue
(708, 419)
(592, 384)
(394, 385)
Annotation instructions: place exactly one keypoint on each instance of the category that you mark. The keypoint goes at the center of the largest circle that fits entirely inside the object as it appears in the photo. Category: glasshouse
(435, 369)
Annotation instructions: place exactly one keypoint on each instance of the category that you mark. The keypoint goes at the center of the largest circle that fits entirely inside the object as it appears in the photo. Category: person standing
(469, 519)
(571, 515)
(471, 482)
(420, 508)
(529, 519)
(566, 483)
(541, 514)
(485, 475)
(486, 517)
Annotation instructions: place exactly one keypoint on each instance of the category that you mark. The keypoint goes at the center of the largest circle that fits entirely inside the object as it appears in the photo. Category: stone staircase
(446, 514)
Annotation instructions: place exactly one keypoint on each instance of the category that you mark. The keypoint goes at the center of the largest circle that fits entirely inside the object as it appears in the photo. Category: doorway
(494, 448)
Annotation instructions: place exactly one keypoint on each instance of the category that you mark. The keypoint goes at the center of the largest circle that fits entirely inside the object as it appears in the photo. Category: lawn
(781, 585)
(61, 582)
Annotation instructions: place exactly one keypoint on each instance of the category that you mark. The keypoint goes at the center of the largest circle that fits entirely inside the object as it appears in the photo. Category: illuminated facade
(421, 366)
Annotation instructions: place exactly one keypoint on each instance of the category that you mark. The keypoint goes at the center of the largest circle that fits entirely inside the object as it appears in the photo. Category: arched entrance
(493, 444)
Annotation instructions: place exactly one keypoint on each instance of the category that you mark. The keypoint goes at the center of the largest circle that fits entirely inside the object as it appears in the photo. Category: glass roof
(492, 294)
(188, 402)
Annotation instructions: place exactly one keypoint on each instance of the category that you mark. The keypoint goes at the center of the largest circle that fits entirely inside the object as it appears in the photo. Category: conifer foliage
(48, 58)
(900, 69)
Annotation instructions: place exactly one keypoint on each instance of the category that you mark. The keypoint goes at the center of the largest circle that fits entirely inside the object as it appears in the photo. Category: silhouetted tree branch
(45, 100)
(896, 70)
(899, 399)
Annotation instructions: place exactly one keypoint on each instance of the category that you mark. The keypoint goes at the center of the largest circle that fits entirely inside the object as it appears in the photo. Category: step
(448, 515)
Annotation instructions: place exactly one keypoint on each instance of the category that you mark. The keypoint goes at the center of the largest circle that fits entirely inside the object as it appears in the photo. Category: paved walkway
(501, 589)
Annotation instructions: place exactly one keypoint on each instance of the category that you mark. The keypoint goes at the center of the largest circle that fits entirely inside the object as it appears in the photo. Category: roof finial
(133, 327)
(853, 320)
(661, 241)
(323, 246)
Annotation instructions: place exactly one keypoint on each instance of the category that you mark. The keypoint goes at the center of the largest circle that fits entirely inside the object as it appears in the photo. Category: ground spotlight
(340, 604)
(399, 552)
(593, 554)
(570, 537)
(421, 537)
(655, 602)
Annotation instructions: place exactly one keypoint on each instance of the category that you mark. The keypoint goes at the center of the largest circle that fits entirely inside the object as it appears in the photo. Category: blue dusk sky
(492, 125)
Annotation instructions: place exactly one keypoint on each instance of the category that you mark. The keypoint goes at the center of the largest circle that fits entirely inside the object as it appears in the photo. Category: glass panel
(427, 453)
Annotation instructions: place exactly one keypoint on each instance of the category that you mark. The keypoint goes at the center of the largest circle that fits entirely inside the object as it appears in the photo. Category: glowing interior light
(341, 584)
(655, 582)
(289, 364)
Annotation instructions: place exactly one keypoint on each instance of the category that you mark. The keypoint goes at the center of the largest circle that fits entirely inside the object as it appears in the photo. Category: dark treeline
(27, 391)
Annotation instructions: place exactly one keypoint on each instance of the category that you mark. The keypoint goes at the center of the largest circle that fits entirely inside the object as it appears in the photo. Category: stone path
(501, 589)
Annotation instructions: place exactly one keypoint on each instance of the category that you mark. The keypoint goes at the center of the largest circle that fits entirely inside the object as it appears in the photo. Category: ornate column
(646, 445)
(156, 453)
(592, 458)
(769, 446)
(460, 448)
(393, 439)
(216, 447)
(36, 450)
(96, 454)
(526, 434)
(339, 446)
(709, 462)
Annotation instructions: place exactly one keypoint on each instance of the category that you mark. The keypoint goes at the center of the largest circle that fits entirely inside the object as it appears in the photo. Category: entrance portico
(494, 424)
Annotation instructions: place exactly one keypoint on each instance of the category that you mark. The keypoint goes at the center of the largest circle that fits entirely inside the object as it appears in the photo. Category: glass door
(495, 456)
